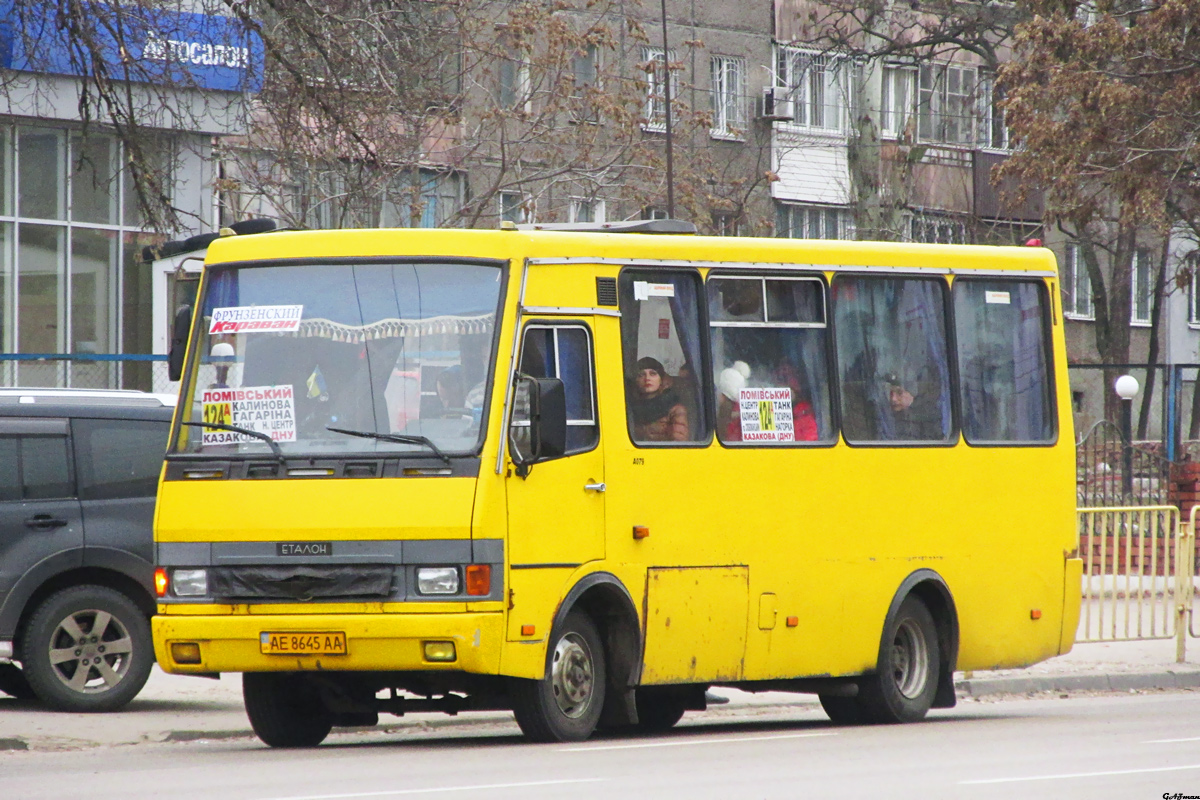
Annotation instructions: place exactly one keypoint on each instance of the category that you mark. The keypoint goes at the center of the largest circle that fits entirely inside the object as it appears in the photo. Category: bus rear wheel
(903, 686)
(565, 705)
(285, 710)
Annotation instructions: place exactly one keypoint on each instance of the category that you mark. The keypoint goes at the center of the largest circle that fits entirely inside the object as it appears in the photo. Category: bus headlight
(437, 580)
(189, 582)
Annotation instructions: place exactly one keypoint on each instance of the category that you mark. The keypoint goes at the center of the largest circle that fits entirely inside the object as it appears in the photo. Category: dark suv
(78, 475)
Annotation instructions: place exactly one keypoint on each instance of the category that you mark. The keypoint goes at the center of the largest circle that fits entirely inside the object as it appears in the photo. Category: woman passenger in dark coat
(659, 414)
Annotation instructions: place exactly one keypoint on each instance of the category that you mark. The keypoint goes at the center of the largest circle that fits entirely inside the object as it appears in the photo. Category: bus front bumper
(383, 642)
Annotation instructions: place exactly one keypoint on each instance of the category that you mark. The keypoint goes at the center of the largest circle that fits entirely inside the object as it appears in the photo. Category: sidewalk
(181, 709)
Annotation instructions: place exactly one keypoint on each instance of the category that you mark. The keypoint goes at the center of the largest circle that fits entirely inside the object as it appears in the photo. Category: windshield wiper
(399, 438)
(221, 426)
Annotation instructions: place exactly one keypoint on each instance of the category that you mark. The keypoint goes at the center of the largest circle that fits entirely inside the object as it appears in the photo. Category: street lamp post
(1127, 387)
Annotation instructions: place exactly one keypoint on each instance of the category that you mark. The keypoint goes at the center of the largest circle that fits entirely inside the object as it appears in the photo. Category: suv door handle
(44, 522)
(594, 487)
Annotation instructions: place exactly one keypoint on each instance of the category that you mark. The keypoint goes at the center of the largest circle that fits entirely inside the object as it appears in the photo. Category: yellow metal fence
(1138, 574)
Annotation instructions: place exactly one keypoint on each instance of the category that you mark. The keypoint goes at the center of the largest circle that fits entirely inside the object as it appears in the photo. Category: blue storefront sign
(131, 43)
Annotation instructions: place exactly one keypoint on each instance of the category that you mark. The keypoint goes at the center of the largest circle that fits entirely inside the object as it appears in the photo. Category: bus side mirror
(179, 336)
(539, 422)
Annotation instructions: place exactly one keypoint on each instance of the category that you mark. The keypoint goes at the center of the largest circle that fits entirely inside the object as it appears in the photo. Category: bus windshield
(388, 358)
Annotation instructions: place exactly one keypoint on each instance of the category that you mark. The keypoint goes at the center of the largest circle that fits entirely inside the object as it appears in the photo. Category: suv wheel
(87, 648)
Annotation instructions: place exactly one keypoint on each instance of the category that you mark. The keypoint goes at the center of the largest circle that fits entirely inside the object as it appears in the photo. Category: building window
(946, 104)
(814, 82)
(656, 67)
(728, 97)
(1076, 285)
(810, 222)
(897, 100)
(583, 210)
(993, 131)
(586, 74)
(1192, 260)
(71, 236)
(1142, 286)
(938, 229)
(513, 87)
(516, 208)
(725, 223)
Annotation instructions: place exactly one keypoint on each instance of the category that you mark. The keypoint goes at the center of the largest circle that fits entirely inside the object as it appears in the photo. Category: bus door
(556, 512)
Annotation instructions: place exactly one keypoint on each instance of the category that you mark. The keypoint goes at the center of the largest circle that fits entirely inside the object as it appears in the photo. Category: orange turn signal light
(793, 622)
(160, 582)
(479, 579)
(1035, 613)
(527, 630)
(640, 531)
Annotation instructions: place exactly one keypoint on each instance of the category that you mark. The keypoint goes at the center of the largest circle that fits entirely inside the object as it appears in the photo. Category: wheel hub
(89, 651)
(910, 659)
(572, 676)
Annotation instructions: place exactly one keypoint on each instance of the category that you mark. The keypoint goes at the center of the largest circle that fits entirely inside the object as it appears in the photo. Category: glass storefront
(71, 276)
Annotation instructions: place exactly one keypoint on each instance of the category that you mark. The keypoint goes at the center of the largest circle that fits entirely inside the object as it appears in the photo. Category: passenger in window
(450, 391)
(915, 416)
(730, 383)
(658, 413)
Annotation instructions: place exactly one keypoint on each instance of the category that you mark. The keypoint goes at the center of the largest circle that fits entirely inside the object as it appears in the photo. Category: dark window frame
(830, 365)
(555, 325)
(703, 377)
(1048, 354)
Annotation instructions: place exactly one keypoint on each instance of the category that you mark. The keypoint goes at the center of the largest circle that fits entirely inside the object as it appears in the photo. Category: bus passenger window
(660, 342)
(565, 352)
(1002, 365)
(892, 359)
(769, 345)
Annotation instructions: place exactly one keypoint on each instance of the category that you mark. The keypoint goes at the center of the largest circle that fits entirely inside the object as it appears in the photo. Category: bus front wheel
(903, 686)
(285, 710)
(565, 705)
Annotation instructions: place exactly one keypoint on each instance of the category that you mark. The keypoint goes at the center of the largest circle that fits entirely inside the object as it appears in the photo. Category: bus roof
(624, 247)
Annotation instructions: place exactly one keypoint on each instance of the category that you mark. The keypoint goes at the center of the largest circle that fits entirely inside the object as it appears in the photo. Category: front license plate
(318, 643)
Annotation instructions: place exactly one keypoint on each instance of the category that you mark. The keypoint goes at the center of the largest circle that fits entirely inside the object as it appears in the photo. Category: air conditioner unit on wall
(776, 105)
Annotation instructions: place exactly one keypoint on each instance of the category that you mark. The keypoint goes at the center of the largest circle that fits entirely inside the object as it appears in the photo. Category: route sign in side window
(663, 356)
(1004, 371)
(118, 457)
(565, 352)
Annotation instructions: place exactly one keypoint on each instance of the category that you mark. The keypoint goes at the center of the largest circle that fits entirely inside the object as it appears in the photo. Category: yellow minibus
(587, 475)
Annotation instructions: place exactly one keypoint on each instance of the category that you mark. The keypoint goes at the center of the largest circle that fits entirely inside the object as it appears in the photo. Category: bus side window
(770, 359)
(1003, 368)
(661, 348)
(892, 359)
(565, 352)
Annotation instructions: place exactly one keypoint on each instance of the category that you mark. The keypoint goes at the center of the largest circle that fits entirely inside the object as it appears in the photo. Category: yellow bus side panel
(695, 624)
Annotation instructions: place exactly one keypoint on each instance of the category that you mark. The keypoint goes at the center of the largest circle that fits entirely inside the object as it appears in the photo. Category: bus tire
(285, 710)
(843, 710)
(658, 710)
(905, 682)
(87, 648)
(565, 705)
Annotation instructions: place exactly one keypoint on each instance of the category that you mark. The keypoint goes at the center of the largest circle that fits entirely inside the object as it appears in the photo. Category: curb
(1100, 682)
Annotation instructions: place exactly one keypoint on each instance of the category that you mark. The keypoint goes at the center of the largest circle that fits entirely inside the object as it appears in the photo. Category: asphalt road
(1118, 746)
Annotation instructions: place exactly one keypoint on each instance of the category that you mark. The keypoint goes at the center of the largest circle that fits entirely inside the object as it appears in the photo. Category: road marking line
(1173, 741)
(685, 743)
(439, 789)
(1066, 775)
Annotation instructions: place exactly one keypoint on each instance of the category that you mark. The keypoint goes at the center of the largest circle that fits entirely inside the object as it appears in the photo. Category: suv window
(34, 468)
(118, 457)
